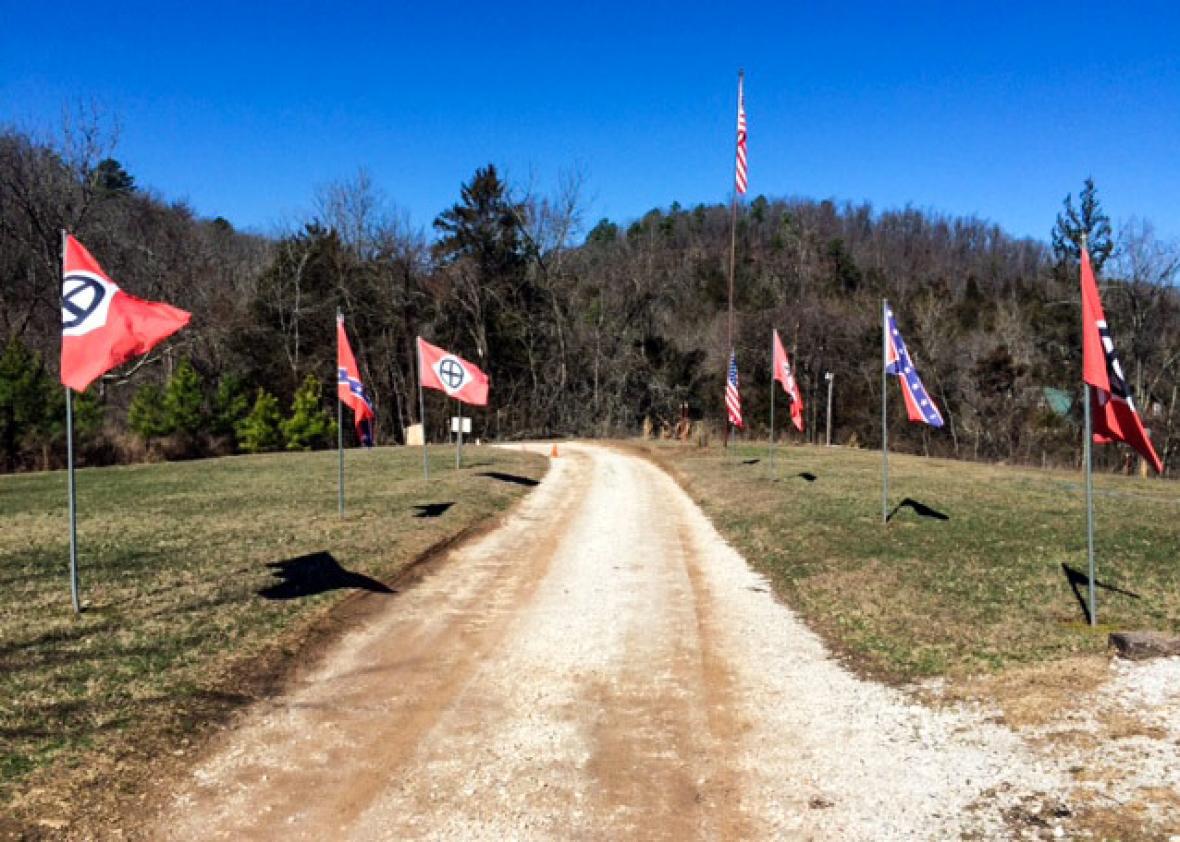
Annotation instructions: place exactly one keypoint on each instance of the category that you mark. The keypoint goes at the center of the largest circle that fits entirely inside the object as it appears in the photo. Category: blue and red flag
(918, 403)
(349, 388)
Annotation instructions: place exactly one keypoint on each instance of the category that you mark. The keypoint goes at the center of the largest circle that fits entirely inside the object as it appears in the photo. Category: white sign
(455, 424)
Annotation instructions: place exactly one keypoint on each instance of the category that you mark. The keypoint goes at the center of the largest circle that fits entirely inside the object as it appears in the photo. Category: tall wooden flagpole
(884, 414)
(75, 596)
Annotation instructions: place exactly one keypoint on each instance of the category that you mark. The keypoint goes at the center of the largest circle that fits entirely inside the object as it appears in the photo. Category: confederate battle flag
(102, 326)
(349, 387)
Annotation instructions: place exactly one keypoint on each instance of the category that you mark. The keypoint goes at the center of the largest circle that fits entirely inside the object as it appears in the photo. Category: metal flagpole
(73, 502)
(422, 416)
(70, 481)
(772, 373)
(884, 416)
(1088, 451)
(339, 433)
(1090, 507)
(459, 437)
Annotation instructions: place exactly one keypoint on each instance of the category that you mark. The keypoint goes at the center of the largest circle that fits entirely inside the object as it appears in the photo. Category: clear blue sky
(995, 109)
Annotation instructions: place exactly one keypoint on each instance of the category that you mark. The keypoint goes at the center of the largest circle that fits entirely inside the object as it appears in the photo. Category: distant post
(831, 378)
(459, 437)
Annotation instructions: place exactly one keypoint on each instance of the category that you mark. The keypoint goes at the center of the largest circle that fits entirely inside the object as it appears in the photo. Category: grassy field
(200, 581)
(983, 589)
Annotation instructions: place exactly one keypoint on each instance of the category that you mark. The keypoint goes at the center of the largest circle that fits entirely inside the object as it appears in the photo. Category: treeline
(582, 332)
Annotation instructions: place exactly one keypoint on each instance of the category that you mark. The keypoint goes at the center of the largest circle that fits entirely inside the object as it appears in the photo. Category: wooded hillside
(583, 329)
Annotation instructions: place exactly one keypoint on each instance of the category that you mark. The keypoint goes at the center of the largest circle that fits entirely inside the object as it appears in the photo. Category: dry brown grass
(175, 635)
(981, 591)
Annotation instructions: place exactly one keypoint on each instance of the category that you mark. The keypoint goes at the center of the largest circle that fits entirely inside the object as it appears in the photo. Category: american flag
(733, 400)
(740, 181)
(918, 403)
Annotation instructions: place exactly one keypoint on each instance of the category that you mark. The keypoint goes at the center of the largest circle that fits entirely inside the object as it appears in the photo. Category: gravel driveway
(602, 666)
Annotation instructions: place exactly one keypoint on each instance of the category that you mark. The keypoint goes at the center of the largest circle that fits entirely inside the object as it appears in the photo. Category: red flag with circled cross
(442, 370)
(102, 326)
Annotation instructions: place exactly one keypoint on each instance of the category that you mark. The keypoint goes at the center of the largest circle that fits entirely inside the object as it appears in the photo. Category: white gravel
(605, 666)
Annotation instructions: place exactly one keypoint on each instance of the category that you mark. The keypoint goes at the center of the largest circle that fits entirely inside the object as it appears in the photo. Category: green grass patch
(979, 591)
(173, 558)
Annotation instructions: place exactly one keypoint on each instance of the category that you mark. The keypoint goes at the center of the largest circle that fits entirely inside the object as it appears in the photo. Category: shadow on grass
(920, 509)
(807, 475)
(315, 573)
(1079, 583)
(432, 509)
(513, 478)
(751, 461)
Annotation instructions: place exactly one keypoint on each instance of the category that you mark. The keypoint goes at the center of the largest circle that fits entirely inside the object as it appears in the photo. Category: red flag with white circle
(101, 326)
(442, 370)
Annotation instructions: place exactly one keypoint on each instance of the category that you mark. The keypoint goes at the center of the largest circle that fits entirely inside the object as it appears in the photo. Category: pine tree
(310, 425)
(23, 388)
(230, 405)
(184, 401)
(1088, 219)
(260, 431)
(146, 416)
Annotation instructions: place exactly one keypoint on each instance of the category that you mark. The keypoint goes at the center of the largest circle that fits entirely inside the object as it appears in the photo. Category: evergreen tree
(110, 179)
(230, 405)
(260, 431)
(184, 401)
(310, 425)
(23, 391)
(146, 416)
(1088, 219)
(481, 241)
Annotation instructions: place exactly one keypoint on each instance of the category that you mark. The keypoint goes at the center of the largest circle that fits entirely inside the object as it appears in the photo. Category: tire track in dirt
(603, 666)
(315, 758)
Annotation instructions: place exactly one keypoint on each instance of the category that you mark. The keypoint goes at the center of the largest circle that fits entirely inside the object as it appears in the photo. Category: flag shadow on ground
(513, 478)
(1079, 583)
(920, 509)
(432, 509)
(315, 573)
(807, 476)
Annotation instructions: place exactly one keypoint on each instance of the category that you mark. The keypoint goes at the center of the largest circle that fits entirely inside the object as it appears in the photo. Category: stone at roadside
(1138, 646)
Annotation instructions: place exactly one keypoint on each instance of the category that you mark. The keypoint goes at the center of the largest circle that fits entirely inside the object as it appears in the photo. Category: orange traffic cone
(553, 451)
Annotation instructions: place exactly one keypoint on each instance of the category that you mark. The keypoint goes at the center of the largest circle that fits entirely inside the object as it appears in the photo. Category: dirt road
(602, 666)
